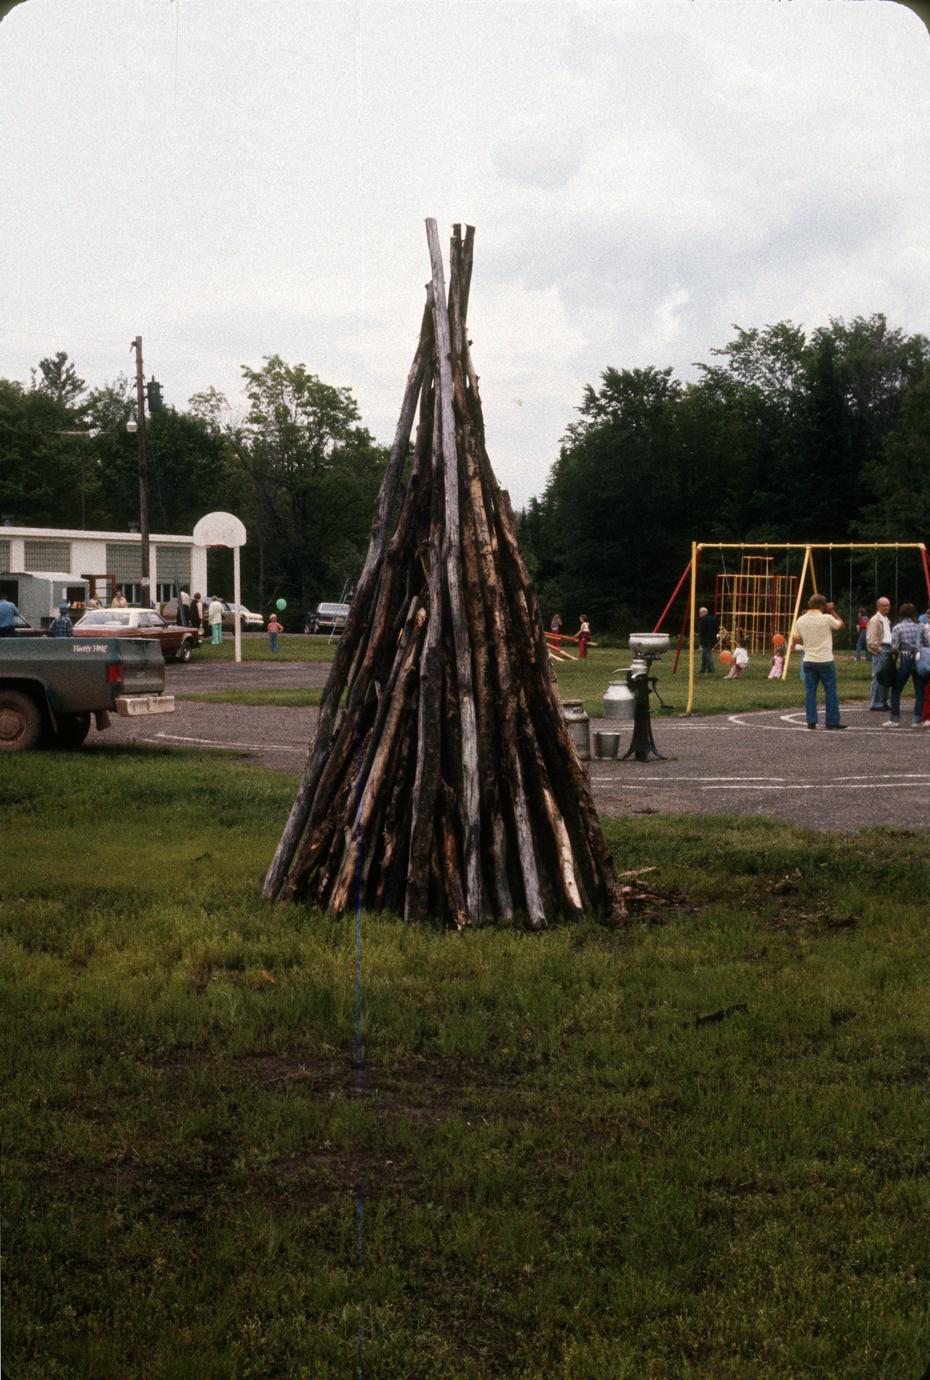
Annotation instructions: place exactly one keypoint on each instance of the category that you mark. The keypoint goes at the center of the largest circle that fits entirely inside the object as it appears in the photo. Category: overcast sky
(235, 178)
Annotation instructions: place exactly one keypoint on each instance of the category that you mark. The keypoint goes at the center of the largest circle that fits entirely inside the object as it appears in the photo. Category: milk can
(618, 701)
(579, 727)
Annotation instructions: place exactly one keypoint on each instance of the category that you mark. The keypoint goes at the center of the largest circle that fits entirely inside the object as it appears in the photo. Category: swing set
(757, 602)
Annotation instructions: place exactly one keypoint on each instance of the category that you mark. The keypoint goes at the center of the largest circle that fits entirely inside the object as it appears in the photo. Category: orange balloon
(778, 640)
(726, 658)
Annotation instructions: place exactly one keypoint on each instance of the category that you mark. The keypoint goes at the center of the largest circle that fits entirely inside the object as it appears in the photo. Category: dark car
(177, 643)
(24, 629)
(331, 616)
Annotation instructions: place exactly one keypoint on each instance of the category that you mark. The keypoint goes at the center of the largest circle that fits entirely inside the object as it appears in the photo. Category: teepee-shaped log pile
(442, 781)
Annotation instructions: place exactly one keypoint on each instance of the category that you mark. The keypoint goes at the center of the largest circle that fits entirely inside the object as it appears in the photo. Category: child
(274, 627)
(740, 661)
(583, 636)
(778, 657)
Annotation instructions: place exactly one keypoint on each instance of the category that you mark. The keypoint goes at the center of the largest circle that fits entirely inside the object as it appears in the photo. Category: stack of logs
(442, 781)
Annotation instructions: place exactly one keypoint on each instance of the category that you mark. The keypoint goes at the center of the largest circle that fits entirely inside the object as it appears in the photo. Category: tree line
(785, 436)
(293, 462)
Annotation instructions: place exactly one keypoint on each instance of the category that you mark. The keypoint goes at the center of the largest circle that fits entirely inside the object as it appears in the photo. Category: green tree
(612, 497)
(58, 377)
(40, 463)
(313, 472)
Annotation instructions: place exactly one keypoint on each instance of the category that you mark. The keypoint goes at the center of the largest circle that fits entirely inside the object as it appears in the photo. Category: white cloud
(235, 179)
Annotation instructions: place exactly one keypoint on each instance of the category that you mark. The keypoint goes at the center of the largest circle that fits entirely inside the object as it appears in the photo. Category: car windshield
(103, 618)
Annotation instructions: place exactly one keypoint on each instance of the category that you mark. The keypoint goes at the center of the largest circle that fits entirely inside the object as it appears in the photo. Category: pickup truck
(51, 688)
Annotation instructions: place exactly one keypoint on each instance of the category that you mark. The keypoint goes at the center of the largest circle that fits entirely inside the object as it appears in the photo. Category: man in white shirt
(814, 631)
(878, 642)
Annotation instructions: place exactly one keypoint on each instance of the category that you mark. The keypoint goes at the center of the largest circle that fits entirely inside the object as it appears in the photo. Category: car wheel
(72, 730)
(184, 651)
(20, 722)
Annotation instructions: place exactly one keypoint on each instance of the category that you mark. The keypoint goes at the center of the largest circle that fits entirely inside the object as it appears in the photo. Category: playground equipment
(759, 603)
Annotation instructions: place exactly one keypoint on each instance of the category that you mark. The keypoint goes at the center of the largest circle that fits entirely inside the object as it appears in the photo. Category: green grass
(566, 1171)
(291, 647)
(284, 697)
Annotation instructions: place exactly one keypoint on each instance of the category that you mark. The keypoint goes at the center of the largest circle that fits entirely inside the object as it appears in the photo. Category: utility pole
(148, 594)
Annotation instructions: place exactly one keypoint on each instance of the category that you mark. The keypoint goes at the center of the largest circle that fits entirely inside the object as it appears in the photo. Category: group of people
(582, 636)
(899, 653)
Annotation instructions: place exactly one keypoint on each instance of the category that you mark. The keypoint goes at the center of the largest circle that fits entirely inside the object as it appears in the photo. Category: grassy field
(284, 697)
(291, 647)
(586, 680)
(696, 1146)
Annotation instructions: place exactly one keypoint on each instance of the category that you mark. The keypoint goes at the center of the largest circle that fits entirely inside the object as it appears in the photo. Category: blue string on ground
(359, 1202)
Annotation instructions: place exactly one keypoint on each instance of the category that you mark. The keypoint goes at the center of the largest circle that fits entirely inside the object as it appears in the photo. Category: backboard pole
(237, 620)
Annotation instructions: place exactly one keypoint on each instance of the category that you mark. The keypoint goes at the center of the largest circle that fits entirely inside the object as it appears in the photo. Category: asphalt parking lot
(762, 763)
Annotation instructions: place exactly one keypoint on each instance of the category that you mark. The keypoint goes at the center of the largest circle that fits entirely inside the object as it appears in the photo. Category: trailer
(37, 595)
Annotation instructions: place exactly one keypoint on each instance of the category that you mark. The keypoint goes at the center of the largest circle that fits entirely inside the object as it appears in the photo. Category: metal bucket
(579, 727)
(606, 744)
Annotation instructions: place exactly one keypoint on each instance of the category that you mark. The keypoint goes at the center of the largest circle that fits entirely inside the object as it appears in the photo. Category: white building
(106, 560)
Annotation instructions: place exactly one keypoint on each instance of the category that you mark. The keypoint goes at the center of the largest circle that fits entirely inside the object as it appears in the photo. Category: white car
(249, 621)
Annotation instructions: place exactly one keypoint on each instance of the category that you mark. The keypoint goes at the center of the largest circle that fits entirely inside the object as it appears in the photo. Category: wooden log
(297, 819)
(426, 781)
(357, 830)
(470, 804)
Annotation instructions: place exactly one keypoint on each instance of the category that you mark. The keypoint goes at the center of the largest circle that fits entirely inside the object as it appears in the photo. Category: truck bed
(52, 686)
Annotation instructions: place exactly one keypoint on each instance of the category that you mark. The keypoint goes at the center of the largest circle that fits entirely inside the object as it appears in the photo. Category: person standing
(197, 611)
(583, 637)
(878, 642)
(62, 625)
(8, 616)
(862, 624)
(907, 638)
(708, 630)
(814, 632)
(119, 600)
(556, 624)
(275, 626)
(215, 620)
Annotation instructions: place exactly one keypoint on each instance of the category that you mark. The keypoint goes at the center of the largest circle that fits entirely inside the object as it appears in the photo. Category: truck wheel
(20, 722)
(184, 651)
(72, 730)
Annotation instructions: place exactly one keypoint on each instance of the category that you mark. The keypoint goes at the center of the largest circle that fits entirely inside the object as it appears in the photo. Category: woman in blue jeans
(907, 638)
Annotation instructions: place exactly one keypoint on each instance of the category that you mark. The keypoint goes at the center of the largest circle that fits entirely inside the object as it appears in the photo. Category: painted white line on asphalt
(698, 778)
(220, 743)
(785, 786)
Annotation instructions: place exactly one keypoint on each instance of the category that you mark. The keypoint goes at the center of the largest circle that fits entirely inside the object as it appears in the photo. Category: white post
(237, 621)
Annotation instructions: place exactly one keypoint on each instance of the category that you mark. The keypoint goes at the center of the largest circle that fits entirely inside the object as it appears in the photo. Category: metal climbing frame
(755, 602)
(788, 600)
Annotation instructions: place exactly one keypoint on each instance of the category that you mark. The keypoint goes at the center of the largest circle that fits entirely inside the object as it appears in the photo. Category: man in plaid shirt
(62, 625)
(907, 638)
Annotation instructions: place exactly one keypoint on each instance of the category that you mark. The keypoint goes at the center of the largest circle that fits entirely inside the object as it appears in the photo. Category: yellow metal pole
(694, 550)
(814, 589)
(797, 609)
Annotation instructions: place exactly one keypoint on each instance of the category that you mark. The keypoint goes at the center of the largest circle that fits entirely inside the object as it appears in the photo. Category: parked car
(24, 629)
(48, 694)
(249, 621)
(176, 642)
(331, 616)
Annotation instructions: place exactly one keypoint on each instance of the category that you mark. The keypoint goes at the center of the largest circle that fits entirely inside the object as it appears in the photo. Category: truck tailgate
(83, 675)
